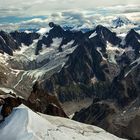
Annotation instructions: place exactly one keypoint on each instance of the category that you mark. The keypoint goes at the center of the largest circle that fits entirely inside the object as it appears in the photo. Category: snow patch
(99, 50)
(21, 78)
(2, 39)
(28, 32)
(113, 51)
(68, 45)
(137, 62)
(43, 31)
(24, 124)
(93, 35)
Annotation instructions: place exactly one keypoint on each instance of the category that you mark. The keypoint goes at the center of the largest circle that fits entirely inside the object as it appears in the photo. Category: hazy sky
(40, 7)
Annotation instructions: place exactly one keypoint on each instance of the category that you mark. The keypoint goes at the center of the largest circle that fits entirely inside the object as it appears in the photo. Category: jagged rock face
(107, 115)
(25, 38)
(102, 36)
(127, 124)
(99, 113)
(125, 87)
(123, 60)
(7, 43)
(41, 101)
(3, 78)
(132, 130)
(58, 32)
(85, 65)
(75, 77)
(52, 109)
(132, 39)
(8, 102)
(107, 35)
(131, 46)
(11, 42)
(123, 94)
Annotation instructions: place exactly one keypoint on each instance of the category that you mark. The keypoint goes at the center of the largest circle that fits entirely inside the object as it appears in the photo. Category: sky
(15, 14)
(41, 7)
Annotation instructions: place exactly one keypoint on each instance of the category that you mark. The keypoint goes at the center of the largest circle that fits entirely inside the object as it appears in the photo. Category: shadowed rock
(45, 103)
(8, 102)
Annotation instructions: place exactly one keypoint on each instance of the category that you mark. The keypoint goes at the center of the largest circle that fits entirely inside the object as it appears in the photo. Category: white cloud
(82, 19)
(86, 18)
(41, 7)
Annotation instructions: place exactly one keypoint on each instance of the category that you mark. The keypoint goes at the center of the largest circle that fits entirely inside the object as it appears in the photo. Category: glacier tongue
(24, 124)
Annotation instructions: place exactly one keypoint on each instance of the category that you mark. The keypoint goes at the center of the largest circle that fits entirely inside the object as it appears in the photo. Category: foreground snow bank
(24, 124)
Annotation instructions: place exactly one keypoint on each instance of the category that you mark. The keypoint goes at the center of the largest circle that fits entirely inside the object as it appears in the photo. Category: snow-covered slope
(24, 124)
(24, 65)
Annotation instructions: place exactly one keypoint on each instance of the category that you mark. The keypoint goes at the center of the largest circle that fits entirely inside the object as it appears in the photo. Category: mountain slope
(24, 37)
(7, 43)
(24, 124)
(85, 66)
(119, 111)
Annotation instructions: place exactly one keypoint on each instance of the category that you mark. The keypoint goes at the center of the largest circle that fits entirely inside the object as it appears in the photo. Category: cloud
(64, 18)
(12, 11)
(80, 19)
(74, 18)
(42, 7)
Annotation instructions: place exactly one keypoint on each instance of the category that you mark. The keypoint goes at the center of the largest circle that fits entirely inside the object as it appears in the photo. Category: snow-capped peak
(120, 21)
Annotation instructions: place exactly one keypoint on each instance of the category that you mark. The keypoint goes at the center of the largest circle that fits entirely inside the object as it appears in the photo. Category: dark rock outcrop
(85, 65)
(132, 40)
(8, 102)
(41, 101)
(58, 32)
(25, 38)
(118, 113)
(52, 109)
(102, 36)
(7, 43)
(10, 42)
(99, 113)
(106, 35)
(125, 87)
(132, 130)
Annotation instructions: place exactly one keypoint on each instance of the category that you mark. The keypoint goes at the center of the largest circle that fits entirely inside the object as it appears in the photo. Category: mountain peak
(100, 28)
(120, 21)
(133, 32)
(132, 35)
(51, 24)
